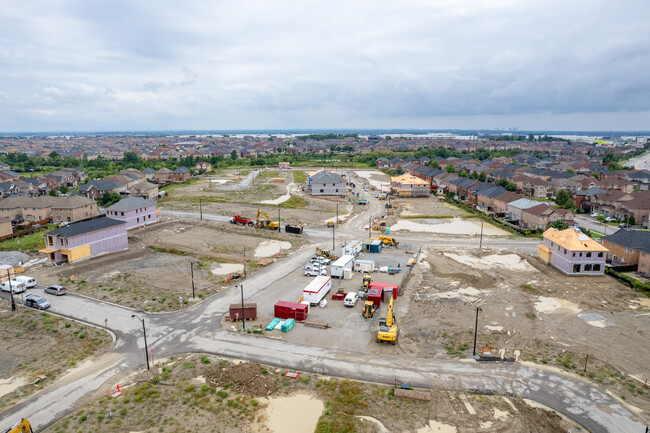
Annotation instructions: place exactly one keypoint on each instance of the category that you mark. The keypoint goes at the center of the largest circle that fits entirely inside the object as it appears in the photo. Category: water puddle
(226, 268)
(451, 226)
(271, 248)
(437, 427)
(296, 414)
(550, 305)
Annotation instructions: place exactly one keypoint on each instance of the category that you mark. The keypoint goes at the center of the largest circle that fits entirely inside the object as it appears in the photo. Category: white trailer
(352, 248)
(339, 266)
(317, 289)
(364, 265)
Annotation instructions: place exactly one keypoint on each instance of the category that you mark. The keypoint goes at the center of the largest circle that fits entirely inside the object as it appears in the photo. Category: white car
(610, 219)
(594, 215)
(29, 281)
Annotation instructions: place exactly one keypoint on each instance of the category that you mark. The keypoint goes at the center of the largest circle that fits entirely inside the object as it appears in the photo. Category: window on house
(576, 268)
(121, 213)
(137, 219)
(632, 250)
(600, 254)
(574, 254)
(615, 257)
(321, 190)
(337, 190)
(596, 267)
(643, 265)
(588, 254)
(588, 267)
(565, 251)
(580, 254)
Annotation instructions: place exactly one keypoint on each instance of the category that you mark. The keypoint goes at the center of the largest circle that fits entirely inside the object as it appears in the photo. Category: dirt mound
(247, 377)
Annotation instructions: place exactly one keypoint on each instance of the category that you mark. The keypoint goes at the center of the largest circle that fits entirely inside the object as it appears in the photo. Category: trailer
(249, 312)
(291, 310)
(376, 296)
(364, 265)
(339, 266)
(317, 289)
(352, 248)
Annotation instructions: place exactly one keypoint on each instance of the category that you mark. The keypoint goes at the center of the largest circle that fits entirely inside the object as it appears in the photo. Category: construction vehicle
(386, 240)
(240, 220)
(293, 229)
(369, 309)
(22, 426)
(326, 253)
(387, 326)
(367, 279)
(267, 223)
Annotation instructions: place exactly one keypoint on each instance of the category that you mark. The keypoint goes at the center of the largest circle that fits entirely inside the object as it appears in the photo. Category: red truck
(241, 221)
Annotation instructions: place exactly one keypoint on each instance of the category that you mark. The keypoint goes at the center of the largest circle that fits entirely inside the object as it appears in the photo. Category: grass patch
(175, 186)
(168, 250)
(529, 287)
(299, 177)
(295, 203)
(31, 242)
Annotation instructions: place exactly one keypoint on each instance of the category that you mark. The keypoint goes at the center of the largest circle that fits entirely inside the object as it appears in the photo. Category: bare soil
(180, 396)
(155, 270)
(38, 344)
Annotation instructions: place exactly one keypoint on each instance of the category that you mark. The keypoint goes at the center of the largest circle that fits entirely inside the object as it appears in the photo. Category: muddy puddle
(271, 248)
(451, 226)
(226, 268)
(509, 261)
(296, 414)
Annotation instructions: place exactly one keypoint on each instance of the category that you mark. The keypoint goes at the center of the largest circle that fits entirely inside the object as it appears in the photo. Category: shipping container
(345, 262)
(291, 310)
(389, 289)
(352, 248)
(376, 295)
(293, 229)
(364, 265)
(250, 311)
(372, 245)
(317, 289)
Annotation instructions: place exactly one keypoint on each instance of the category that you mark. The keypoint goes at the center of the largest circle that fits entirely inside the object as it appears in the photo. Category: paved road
(592, 224)
(198, 329)
(243, 184)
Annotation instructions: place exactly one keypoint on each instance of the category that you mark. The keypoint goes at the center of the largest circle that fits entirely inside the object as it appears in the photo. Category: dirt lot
(38, 344)
(528, 307)
(205, 394)
(155, 270)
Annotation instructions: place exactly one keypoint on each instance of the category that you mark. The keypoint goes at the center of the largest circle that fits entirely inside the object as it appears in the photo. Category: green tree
(482, 177)
(233, 155)
(563, 199)
(63, 189)
(451, 169)
(570, 171)
(463, 174)
(473, 175)
(108, 198)
(434, 164)
(53, 193)
(560, 225)
(596, 175)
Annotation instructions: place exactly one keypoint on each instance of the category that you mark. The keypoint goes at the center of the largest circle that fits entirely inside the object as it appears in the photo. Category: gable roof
(130, 203)
(85, 226)
(326, 177)
(573, 240)
(181, 170)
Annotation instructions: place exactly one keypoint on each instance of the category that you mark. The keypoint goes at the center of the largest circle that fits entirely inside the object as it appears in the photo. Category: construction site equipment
(369, 309)
(293, 229)
(240, 220)
(387, 326)
(338, 267)
(22, 426)
(317, 289)
(367, 279)
(291, 310)
(248, 313)
(388, 240)
(265, 223)
(326, 253)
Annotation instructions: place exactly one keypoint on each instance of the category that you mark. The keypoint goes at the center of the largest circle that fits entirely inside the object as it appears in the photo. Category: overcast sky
(428, 64)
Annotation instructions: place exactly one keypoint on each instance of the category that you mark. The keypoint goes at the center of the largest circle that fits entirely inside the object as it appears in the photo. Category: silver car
(34, 301)
(55, 290)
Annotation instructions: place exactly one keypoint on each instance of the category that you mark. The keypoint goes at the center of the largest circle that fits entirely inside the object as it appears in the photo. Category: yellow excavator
(326, 253)
(22, 426)
(265, 224)
(387, 326)
(369, 309)
(389, 241)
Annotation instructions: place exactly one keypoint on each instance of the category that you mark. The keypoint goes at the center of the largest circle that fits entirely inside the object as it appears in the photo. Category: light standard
(144, 330)
(192, 263)
(478, 309)
(11, 290)
(243, 320)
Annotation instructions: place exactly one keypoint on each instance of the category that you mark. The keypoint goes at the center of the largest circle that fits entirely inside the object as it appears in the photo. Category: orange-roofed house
(573, 252)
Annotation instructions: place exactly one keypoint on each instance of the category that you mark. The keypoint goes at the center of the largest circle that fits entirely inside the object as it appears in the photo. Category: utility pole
(370, 226)
(244, 262)
(144, 330)
(476, 329)
(480, 245)
(11, 292)
(243, 320)
(279, 226)
(201, 208)
(192, 272)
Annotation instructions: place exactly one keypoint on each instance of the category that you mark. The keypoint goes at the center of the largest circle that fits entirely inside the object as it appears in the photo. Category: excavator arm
(22, 426)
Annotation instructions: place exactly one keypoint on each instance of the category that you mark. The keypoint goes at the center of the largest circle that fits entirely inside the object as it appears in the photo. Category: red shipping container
(376, 295)
(250, 311)
(291, 310)
(387, 287)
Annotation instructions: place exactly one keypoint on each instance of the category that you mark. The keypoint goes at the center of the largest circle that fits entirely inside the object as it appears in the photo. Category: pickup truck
(16, 286)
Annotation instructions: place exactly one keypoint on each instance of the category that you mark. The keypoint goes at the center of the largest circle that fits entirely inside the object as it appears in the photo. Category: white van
(351, 299)
(29, 281)
(16, 286)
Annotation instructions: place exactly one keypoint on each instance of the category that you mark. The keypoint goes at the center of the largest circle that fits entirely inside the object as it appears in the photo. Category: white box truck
(338, 267)
(316, 290)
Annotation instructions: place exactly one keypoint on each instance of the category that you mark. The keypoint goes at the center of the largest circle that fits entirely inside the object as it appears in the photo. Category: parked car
(321, 260)
(29, 281)
(16, 286)
(594, 215)
(351, 299)
(55, 290)
(610, 219)
(34, 301)
(624, 225)
(314, 271)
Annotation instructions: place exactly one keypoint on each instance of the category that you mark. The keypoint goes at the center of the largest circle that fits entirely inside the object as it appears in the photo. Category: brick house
(625, 246)
(644, 263)
(202, 165)
(382, 163)
(144, 190)
(500, 202)
(74, 208)
(57, 209)
(162, 175)
(573, 252)
(6, 228)
(85, 240)
(541, 216)
(135, 211)
(181, 174)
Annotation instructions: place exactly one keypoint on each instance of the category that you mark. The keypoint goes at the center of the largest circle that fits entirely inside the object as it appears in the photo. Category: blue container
(287, 325)
(273, 324)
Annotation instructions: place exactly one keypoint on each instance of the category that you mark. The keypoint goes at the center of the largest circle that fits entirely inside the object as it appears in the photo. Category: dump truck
(387, 326)
(265, 223)
(240, 220)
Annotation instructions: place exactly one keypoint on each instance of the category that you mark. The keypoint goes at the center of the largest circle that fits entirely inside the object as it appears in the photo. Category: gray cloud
(158, 65)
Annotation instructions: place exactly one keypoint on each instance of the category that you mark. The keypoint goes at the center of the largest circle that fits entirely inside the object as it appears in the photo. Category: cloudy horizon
(535, 65)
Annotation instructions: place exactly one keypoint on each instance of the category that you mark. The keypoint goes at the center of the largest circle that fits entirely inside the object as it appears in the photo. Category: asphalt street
(197, 329)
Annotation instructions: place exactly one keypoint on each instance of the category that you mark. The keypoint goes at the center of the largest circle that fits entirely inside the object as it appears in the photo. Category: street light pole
(144, 330)
(201, 208)
(476, 329)
(192, 272)
(243, 320)
(11, 292)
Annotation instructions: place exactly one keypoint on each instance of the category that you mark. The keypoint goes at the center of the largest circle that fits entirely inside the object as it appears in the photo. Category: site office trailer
(339, 266)
(317, 289)
(352, 248)
(291, 310)
(364, 265)
(389, 289)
